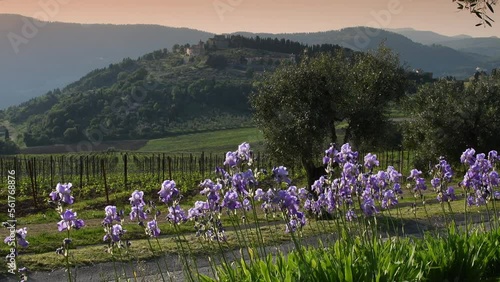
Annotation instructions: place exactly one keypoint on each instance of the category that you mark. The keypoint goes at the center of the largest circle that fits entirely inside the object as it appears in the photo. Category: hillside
(60, 53)
(162, 93)
(440, 60)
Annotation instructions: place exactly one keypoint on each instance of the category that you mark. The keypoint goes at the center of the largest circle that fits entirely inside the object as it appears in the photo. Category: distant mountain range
(487, 46)
(436, 58)
(60, 53)
(426, 37)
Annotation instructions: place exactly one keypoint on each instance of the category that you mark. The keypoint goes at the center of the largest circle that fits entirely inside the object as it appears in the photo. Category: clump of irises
(207, 214)
(345, 184)
(62, 198)
(442, 176)
(241, 190)
(113, 229)
(229, 193)
(480, 179)
(170, 196)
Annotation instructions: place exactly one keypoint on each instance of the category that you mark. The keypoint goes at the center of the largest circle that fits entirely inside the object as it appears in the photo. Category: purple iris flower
(198, 210)
(152, 229)
(303, 193)
(241, 181)
(281, 174)
(389, 199)
(69, 220)
(291, 226)
(445, 169)
(231, 159)
(493, 178)
(382, 179)
(111, 215)
(346, 154)
(137, 198)
(115, 234)
(371, 161)
(394, 175)
(330, 154)
(231, 200)
(448, 176)
(449, 195)
(435, 182)
(260, 195)
(332, 201)
(247, 205)
(318, 185)
(326, 160)
(350, 170)
(287, 201)
(176, 215)
(168, 191)
(368, 207)
(54, 196)
(414, 173)
(62, 193)
(297, 220)
(493, 156)
(244, 151)
(420, 184)
(397, 188)
(468, 157)
(470, 201)
(212, 191)
(479, 198)
(21, 237)
(137, 212)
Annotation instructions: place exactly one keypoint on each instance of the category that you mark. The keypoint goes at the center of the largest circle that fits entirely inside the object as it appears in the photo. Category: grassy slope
(214, 141)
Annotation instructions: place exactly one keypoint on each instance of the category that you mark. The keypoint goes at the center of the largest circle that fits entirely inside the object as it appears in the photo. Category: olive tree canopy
(299, 107)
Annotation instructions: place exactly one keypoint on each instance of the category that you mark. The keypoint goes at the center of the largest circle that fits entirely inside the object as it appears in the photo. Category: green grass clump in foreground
(456, 256)
(214, 141)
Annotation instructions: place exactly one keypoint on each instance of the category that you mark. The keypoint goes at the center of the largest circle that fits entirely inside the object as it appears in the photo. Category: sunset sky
(274, 16)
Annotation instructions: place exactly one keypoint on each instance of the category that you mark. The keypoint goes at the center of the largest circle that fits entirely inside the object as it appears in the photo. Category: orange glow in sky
(273, 16)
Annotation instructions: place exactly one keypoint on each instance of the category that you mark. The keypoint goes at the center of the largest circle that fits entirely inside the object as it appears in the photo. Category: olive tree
(448, 117)
(374, 80)
(298, 107)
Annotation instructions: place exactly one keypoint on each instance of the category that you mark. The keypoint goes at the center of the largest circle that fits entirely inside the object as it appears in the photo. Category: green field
(214, 141)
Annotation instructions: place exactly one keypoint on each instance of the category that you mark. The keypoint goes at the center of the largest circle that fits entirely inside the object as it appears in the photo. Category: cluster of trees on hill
(281, 45)
(134, 114)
